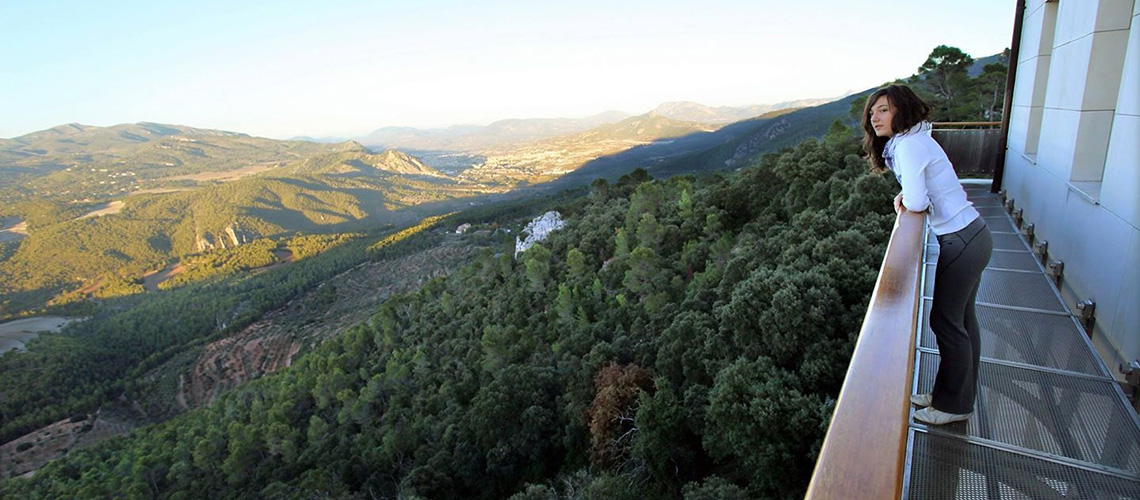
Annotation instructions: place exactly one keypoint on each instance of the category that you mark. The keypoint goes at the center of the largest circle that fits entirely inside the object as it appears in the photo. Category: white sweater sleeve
(911, 161)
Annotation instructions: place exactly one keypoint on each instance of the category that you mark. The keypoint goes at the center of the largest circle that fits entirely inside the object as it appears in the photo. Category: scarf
(889, 149)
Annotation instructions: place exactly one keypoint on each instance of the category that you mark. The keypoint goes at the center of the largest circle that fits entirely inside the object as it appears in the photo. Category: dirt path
(110, 208)
(160, 191)
(153, 278)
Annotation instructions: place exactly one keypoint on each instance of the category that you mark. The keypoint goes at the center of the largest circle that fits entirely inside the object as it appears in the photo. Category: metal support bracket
(1086, 310)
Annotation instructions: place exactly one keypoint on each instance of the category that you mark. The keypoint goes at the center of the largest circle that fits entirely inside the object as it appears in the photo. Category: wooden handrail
(864, 452)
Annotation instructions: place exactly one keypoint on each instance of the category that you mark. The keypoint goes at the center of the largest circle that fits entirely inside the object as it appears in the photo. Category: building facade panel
(1128, 100)
(1019, 117)
(1037, 33)
(1027, 90)
(1127, 334)
(1074, 20)
(1113, 15)
(1093, 131)
(1066, 83)
(1059, 129)
(1094, 245)
(1120, 192)
(1102, 81)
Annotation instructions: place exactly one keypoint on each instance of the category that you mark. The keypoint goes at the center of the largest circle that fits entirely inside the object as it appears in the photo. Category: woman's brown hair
(910, 110)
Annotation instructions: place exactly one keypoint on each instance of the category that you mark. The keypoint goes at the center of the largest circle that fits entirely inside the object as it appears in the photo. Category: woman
(898, 138)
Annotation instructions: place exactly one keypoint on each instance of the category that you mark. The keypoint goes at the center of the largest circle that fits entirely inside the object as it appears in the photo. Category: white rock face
(538, 230)
(232, 236)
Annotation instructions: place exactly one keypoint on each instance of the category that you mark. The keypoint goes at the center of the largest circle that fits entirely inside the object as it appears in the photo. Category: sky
(342, 68)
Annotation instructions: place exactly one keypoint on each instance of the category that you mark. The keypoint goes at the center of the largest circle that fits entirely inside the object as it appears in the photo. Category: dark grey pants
(961, 258)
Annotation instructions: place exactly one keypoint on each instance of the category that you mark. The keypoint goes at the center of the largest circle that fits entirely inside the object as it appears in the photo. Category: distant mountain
(696, 112)
(473, 137)
(77, 161)
(648, 127)
(354, 159)
(979, 64)
(86, 139)
(709, 150)
(505, 134)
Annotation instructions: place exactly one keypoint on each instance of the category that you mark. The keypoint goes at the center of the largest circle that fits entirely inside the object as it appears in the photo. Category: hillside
(76, 161)
(200, 372)
(348, 189)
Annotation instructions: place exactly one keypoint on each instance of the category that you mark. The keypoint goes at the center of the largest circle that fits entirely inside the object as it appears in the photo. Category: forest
(679, 338)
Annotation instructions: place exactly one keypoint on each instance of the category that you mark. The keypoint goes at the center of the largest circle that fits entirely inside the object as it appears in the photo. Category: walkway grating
(1049, 422)
(1046, 340)
(951, 468)
(1009, 287)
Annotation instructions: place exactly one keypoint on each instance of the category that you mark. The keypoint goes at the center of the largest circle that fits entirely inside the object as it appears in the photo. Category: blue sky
(344, 68)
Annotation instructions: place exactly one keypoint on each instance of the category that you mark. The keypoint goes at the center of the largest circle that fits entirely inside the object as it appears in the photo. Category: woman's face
(882, 112)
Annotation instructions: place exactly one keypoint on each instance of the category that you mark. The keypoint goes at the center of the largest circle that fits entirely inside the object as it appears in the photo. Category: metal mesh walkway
(1049, 421)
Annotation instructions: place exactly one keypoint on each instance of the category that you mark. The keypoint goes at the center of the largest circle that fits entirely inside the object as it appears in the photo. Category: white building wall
(1076, 173)
(1033, 61)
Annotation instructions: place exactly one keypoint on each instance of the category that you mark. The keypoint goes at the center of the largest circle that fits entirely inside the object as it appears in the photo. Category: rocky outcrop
(537, 230)
(204, 242)
(232, 236)
(402, 163)
(237, 236)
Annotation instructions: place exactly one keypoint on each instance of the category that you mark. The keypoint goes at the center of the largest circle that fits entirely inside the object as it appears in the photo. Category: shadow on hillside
(19, 301)
(729, 147)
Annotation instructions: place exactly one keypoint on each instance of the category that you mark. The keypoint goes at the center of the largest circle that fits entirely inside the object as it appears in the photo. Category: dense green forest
(682, 337)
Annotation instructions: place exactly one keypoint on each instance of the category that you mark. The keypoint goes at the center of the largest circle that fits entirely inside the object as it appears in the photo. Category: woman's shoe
(939, 417)
(922, 400)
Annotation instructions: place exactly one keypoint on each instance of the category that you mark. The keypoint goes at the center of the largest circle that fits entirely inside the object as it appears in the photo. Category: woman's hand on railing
(898, 203)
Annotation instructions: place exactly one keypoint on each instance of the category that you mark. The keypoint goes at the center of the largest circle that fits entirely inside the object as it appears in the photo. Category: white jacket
(928, 180)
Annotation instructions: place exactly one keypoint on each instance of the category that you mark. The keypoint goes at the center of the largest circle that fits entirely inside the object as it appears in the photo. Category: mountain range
(513, 132)
(91, 202)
